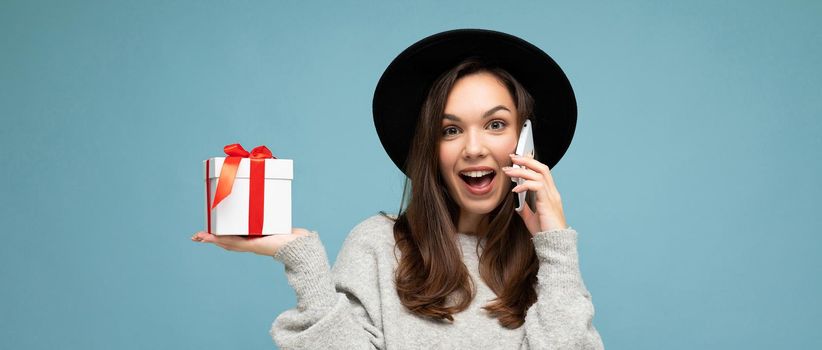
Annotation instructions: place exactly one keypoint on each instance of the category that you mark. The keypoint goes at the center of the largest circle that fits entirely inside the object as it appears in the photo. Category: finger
(536, 166)
(197, 236)
(236, 243)
(218, 240)
(530, 163)
(202, 236)
(526, 212)
(528, 218)
(523, 173)
(530, 185)
(208, 238)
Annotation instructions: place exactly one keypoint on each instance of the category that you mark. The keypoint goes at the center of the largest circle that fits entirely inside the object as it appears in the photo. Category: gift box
(248, 193)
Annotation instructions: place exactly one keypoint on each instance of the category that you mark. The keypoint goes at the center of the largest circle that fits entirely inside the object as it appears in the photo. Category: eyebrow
(486, 115)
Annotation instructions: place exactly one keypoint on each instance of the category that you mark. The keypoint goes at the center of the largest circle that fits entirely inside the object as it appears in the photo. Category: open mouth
(478, 182)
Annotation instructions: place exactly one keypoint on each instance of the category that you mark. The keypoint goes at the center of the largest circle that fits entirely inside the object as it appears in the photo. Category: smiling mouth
(478, 179)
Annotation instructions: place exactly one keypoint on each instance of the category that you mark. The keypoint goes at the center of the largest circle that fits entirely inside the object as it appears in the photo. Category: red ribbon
(256, 190)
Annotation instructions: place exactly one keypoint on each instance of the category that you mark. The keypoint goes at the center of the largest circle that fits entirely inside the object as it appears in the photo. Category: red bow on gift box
(256, 190)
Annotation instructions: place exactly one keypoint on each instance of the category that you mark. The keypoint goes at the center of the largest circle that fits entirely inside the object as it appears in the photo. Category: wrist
(554, 225)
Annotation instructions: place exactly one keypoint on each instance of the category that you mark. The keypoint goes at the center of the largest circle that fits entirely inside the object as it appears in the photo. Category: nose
(474, 146)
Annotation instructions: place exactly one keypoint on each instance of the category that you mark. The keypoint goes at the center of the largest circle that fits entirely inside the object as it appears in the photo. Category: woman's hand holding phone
(538, 179)
(265, 245)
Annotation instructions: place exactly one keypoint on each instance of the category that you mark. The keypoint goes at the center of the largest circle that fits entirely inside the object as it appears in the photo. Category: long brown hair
(432, 281)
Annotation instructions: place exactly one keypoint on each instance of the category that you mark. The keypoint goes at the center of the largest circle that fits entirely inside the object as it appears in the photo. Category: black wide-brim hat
(404, 85)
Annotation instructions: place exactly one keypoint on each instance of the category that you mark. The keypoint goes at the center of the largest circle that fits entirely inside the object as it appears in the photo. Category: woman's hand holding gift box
(248, 201)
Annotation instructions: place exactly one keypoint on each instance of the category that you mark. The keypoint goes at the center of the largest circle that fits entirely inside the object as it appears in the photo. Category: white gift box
(231, 217)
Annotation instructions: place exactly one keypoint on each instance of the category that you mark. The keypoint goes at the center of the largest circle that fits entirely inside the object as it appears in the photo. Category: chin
(481, 206)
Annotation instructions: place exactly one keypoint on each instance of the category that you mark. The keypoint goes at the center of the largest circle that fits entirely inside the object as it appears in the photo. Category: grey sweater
(355, 305)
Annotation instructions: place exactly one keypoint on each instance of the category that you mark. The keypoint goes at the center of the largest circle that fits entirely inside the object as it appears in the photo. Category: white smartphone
(525, 147)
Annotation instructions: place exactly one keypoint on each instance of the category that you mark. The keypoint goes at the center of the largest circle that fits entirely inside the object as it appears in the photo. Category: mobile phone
(525, 147)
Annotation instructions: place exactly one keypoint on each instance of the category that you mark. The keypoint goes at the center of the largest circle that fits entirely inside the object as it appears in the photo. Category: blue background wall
(693, 178)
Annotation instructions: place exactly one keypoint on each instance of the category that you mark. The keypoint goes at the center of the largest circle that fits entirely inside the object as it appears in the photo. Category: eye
(450, 131)
(497, 125)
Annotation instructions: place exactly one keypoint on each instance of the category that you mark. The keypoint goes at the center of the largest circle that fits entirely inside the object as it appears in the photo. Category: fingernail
(506, 168)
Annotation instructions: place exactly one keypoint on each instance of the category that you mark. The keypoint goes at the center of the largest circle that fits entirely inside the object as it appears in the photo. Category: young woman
(458, 267)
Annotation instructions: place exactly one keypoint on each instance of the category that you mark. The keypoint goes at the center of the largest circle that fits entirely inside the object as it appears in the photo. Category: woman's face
(479, 131)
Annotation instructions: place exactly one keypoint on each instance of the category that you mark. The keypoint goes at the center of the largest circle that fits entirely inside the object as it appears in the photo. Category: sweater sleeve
(324, 318)
(562, 316)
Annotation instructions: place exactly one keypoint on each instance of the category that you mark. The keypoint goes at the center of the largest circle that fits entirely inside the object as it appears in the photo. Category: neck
(470, 223)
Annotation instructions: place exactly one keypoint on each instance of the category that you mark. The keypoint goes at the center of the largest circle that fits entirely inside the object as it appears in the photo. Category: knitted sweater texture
(355, 305)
